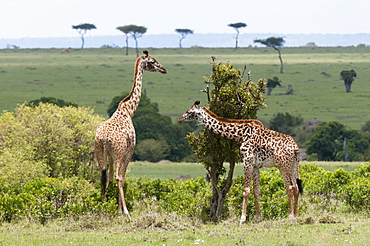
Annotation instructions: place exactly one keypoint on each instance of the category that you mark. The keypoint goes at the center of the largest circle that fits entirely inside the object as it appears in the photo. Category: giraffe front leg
(246, 191)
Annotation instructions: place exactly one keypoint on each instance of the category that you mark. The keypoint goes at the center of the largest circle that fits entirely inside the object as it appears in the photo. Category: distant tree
(348, 77)
(82, 29)
(285, 123)
(183, 33)
(126, 31)
(271, 84)
(311, 44)
(327, 141)
(236, 26)
(332, 141)
(51, 100)
(275, 43)
(152, 150)
(135, 32)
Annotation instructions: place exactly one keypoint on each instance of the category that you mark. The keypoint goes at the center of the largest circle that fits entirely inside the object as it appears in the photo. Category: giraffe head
(193, 113)
(151, 64)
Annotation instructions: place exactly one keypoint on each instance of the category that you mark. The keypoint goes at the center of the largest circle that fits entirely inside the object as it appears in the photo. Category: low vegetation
(176, 208)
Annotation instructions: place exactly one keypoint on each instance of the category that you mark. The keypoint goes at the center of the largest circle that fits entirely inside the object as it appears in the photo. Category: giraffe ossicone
(260, 147)
(115, 138)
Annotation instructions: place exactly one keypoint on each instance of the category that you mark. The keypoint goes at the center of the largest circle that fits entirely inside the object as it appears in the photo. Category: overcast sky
(54, 18)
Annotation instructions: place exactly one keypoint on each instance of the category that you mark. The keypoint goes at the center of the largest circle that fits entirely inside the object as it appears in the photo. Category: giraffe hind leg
(103, 180)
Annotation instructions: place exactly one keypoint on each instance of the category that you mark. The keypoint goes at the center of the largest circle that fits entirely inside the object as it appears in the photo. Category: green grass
(166, 170)
(92, 77)
(324, 230)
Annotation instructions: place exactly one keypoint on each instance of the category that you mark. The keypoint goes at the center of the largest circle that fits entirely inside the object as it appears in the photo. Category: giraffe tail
(300, 186)
(103, 180)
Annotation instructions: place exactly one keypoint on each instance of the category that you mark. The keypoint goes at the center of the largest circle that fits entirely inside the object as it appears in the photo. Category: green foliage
(274, 42)
(271, 84)
(328, 140)
(152, 150)
(47, 140)
(42, 199)
(150, 124)
(47, 198)
(51, 100)
(285, 123)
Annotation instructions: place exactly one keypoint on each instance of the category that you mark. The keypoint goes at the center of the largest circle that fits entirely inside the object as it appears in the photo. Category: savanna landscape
(44, 203)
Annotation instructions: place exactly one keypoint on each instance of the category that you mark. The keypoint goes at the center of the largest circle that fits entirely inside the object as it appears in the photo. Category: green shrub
(47, 141)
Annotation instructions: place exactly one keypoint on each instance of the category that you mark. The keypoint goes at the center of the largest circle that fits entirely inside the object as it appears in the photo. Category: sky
(54, 18)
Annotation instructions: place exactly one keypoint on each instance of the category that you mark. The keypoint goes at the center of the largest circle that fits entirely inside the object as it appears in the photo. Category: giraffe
(115, 138)
(260, 147)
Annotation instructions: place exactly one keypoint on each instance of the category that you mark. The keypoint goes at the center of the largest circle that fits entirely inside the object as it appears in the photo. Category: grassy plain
(92, 77)
(166, 169)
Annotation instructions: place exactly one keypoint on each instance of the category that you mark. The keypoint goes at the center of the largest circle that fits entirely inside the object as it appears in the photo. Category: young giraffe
(115, 138)
(260, 147)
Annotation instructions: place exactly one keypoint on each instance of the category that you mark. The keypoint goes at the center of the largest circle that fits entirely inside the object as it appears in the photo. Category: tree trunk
(236, 39)
(269, 90)
(347, 85)
(281, 60)
(219, 193)
(83, 41)
(137, 47)
(126, 45)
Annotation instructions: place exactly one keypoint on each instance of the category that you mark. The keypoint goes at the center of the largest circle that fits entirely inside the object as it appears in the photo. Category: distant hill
(203, 40)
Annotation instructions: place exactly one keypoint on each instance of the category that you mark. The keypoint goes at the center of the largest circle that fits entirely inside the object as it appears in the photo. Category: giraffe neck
(231, 129)
(130, 103)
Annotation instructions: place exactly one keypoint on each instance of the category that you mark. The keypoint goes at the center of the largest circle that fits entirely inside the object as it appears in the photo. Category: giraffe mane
(136, 71)
(219, 118)
(256, 122)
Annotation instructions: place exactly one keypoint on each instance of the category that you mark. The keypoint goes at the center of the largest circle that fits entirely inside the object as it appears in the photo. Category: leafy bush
(43, 199)
(47, 140)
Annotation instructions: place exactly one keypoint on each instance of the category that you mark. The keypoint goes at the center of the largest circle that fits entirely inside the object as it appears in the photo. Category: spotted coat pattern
(115, 138)
(260, 147)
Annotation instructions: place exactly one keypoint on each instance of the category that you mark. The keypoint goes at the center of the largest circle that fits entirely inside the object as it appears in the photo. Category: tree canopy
(183, 33)
(272, 83)
(237, 26)
(135, 32)
(275, 43)
(82, 29)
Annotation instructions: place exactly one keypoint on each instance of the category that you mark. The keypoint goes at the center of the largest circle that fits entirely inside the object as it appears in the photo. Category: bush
(47, 140)
(47, 198)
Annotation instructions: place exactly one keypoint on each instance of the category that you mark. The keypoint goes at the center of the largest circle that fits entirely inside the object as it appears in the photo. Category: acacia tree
(275, 43)
(183, 33)
(135, 32)
(348, 77)
(126, 32)
(82, 29)
(236, 26)
(231, 98)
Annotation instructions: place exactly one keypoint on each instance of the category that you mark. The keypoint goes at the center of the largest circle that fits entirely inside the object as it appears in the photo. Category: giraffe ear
(197, 103)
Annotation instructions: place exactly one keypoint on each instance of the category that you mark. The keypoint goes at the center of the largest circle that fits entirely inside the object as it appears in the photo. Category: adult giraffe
(115, 138)
(260, 147)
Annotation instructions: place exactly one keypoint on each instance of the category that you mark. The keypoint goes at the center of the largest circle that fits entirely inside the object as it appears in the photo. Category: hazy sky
(54, 18)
